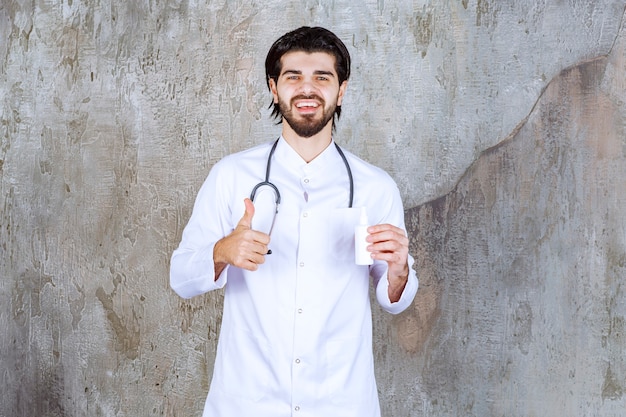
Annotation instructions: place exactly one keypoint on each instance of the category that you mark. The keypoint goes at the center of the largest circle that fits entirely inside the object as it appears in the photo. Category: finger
(255, 236)
(388, 236)
(259, 250)
(246, 219)
(379, 228)
(249, 259)
(388, 247)
(392, 258)
(388, 242)
(250, 265)
(251, 242)
(392, 253)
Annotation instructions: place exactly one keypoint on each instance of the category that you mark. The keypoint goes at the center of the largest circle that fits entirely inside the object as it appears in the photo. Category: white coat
(296, 335)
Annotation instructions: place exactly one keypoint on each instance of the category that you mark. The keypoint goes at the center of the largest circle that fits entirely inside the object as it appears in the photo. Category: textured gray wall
(504, 123)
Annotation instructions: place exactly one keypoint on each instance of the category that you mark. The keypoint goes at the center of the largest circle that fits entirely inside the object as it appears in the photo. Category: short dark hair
(307, 39)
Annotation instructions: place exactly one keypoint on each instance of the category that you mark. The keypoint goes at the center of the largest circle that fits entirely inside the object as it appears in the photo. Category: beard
(307, 125)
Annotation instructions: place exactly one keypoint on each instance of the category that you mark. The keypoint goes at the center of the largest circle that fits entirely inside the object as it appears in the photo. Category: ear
(342, 91)
(272, 84)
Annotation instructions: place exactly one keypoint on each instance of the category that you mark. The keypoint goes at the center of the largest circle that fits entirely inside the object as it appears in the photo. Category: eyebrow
(316, 72)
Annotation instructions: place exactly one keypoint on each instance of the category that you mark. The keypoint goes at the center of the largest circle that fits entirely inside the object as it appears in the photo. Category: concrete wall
(504, 123)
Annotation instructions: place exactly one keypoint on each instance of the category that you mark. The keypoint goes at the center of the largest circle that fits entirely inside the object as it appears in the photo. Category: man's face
(308, 91)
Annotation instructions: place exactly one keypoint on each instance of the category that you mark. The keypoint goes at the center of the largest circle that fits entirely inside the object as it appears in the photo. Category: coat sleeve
(393, 213)
(408, 294)
(192, 270)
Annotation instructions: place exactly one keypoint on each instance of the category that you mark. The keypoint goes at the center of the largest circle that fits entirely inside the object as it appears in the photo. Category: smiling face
(307, 91)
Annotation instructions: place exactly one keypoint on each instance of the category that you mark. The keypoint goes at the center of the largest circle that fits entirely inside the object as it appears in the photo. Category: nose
(307, 87)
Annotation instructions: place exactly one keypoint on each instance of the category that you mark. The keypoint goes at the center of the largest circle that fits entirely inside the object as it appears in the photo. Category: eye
(292, 77)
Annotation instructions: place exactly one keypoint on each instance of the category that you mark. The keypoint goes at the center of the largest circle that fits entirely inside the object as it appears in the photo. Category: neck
(308, 148)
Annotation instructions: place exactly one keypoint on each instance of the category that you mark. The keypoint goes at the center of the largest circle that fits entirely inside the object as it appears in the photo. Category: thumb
(246, 220)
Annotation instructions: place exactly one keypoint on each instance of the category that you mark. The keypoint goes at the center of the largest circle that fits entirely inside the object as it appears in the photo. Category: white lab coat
(296, 335)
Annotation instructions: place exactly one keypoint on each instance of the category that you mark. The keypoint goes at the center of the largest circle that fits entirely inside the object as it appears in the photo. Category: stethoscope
(267, 182)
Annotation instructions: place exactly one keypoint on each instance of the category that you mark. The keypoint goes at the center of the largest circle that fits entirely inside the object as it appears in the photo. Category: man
(296, 336)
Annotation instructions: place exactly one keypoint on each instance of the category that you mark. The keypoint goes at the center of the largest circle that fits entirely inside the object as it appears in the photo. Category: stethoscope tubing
(268, 183)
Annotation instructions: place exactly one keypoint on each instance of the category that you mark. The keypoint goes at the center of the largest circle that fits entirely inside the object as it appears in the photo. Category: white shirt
(296, 335)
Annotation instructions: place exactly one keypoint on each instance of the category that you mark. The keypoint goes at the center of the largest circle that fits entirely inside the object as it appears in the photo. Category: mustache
(308, 97)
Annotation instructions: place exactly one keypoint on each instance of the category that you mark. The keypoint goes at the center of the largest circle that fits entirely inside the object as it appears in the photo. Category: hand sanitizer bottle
(361, 255)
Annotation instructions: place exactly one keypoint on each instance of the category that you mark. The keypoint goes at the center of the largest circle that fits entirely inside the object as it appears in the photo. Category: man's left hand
(389, 243)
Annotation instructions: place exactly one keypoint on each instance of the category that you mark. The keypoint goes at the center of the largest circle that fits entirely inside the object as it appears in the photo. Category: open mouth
(307, 106)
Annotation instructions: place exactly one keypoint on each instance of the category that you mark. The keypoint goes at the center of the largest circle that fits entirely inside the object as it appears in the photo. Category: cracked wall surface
(503, 123)
(524, 264)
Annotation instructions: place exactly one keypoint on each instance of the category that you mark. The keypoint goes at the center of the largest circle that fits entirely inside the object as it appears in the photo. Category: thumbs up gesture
(244, 248)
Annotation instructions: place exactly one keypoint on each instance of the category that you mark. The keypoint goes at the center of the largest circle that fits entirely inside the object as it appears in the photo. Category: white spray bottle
(361, 255)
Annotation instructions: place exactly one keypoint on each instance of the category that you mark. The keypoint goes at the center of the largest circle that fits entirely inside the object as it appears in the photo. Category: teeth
(299, 105)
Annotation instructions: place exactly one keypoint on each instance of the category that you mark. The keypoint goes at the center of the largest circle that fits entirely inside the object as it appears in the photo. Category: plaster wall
(502, 122)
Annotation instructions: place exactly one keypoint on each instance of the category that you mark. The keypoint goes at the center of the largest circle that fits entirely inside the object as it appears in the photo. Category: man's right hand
(244, 248)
